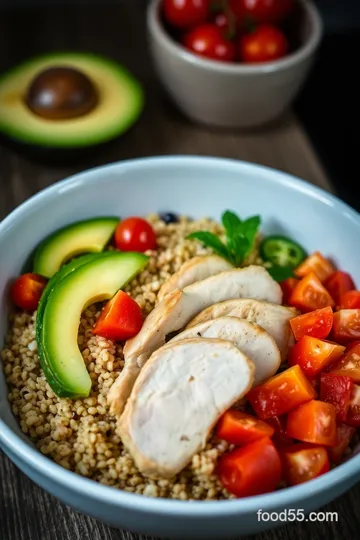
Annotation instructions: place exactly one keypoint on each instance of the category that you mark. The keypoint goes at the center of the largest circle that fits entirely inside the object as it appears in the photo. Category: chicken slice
(271, 317)
(179, 396)
(196, 269)
(177, 309)
(250, 338)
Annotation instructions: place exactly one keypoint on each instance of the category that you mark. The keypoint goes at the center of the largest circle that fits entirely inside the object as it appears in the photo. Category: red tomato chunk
(346, 325)
(344, 435)
(313, 355)
(313, 422)
(338, 284)
(336, 389)
(287, 287)
(240, 428)
(303, 462)
(120, 319)
(350, 300)
(26, 291)
(310, 294)
(281, 393)
(349, 364)
(316, 264)
(317, 324)
(251, 470)
(353, 416)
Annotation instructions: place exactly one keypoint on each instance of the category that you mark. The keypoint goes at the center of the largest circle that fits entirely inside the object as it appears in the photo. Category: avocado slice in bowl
(97, 280)
(81, 237)
(68, 100)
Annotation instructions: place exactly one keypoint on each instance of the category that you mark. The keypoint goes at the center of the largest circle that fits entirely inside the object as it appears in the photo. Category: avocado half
(120, 102)
(92, 278)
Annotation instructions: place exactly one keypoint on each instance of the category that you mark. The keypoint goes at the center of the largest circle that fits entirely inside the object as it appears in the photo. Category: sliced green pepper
(282, 251)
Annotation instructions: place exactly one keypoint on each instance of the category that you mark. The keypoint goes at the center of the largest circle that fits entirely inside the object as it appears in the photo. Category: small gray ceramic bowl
(196, 187)
(232, 95)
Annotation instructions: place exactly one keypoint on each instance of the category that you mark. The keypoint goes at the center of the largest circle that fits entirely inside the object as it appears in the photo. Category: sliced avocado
(92, 282)
(81, 237)
(108, 111)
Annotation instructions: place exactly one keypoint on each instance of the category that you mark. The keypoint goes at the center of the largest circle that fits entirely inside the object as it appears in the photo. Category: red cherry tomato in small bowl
(135, 234)
(208, 40)
(185, 14)
(265, 44)
(26, 291)
(261, 11)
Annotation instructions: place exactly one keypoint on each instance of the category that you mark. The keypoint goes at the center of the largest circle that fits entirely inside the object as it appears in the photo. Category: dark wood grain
(26, 511)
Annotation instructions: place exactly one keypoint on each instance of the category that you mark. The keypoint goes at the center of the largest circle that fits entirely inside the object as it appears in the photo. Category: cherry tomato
(240, 428)
(318, 265)
(316, 323)
(349, 364)
(26, 291)
(339, 283)
(303, 462)
(185, 14)
(310, 294)
(287, 287)
(350, 300)
(336, 389)
(135, 234)
(261, 11)
(251, 470)
(344, 435)
(313, 422)
(281, 393)
(313, 355)
(120, 319)
(265, 44)
(346, 325)
(207, 40)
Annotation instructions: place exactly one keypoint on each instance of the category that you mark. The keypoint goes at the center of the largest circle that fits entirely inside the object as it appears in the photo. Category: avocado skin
(60, 274)
(75, 266)
(38, 263)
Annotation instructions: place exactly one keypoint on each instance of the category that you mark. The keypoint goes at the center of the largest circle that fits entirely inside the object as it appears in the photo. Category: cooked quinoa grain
(80, 434)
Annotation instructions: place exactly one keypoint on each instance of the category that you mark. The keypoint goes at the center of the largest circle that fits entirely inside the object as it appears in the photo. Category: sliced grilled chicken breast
(179, 396)
(271, 317)
(196, 269)
(249, 337)
(177, 309)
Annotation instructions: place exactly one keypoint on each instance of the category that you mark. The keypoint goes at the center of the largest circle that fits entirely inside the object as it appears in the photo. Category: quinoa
(80, 434)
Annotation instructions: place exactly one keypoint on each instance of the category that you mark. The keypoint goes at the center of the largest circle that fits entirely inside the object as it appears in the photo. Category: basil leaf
(250, 229)
(279, 273)
(238, 245)
(211, 240)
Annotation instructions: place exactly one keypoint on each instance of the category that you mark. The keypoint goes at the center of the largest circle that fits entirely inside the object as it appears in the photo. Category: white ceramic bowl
(194, 186)
(231, 95)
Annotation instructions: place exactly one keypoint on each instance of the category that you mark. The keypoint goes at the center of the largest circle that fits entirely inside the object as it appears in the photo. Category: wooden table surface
(26, 511)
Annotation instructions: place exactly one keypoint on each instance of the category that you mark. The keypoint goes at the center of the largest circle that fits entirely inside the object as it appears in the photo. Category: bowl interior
(192, 186)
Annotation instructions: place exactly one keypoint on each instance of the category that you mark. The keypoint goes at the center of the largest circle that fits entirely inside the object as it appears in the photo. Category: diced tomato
(349, 364)
(26, 291)
(350, 300)
(344, 435)
(346, 325)
(310, 294)
(316, 323)
(304, 462)
(279, 424)
(339, 283)
(313, 355)
(313, 422)
(251, 470)
(353, 416)
(281, 393)
(239, 428)
(336, 389)
(120, 319)
(287, 287)
(316, 264)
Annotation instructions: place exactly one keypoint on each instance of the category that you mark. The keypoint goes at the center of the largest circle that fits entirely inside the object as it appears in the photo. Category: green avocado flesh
(57, 329)
(81, 237)
(119, 105)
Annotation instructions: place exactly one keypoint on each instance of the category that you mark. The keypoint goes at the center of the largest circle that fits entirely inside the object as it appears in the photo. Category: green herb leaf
(279, 273)
(250, 228)
(211, 240)
(238, 246)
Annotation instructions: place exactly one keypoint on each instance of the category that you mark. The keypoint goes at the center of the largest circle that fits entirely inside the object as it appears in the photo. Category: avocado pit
(60, 93)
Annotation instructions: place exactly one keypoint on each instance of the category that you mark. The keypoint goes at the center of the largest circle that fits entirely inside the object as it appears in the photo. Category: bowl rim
(156, 29)
(15, 445)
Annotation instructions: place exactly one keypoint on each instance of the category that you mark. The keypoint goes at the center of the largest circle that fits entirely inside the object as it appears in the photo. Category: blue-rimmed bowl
(194, 186)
